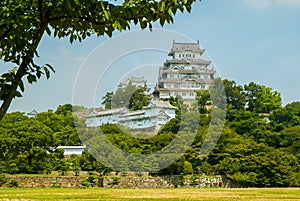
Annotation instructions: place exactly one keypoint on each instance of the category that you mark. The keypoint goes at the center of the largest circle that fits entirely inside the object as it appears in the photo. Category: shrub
(13, 183)
(188, 167)
(195, 181)
(91, 178)
(85, 183)
(13, 168)
(181, 179)
(48, 168)
(90, 181)
(56, 186)
(115, 181)
(3, 179)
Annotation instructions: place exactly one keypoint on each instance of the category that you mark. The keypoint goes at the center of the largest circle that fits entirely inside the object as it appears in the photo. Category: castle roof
(133, 81)
(138, 112)
(33, 112)
(183, 47)
(161, 104)
(176, 70)
(187, 61)
(106, 112)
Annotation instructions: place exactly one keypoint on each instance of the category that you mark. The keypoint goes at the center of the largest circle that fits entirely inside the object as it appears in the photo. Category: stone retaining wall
(163, 182)
(120, 182)
(135, 182)
(47, 182)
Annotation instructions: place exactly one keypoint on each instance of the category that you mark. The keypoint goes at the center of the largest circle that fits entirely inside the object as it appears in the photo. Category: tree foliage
(255, 149)
(234, 94)
(24, 23)
(131, 97)
(261, 99)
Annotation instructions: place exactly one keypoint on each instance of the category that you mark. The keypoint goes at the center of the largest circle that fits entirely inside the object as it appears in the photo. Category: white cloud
(264, 4)
(289, 2)
(258, 4)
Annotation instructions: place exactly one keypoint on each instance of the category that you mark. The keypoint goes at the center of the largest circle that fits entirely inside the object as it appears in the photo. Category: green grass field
(250, 194)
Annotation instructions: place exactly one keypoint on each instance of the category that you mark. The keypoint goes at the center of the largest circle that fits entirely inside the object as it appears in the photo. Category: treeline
(259, 144)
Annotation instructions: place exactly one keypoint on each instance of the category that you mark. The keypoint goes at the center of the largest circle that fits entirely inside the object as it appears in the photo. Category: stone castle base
(117, 182)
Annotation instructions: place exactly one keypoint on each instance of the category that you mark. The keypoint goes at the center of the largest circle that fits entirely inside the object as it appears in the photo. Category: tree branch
(41, 12)
(22, 70)
(5, 33)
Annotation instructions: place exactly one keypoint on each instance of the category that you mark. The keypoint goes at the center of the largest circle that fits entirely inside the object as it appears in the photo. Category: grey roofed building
(185, 73)
(183, 47)
(107, 112)
(152, 117)
(161, 104)
(69, 150)
(187, 61)
(134, 81)
(33, 113)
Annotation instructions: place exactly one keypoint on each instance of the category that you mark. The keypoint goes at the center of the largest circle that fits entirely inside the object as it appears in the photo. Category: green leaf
(150, 26)
(18, 94)
(55, 32)
(48, 31)
(31, 78)
(21, 85)
(50, 67)
(143, 24)
(47, 72)
(162, 21)
(71, 39)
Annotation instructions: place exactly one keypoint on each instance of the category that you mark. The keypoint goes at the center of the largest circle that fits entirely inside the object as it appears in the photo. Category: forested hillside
(259, 144)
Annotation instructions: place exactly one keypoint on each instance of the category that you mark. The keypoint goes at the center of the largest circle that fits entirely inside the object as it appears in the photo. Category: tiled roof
(187, 61)
(132, 81)
(106, 112)
(71, 147)
(181, 47)
(33, 112)
(133, 113)
(162, 104)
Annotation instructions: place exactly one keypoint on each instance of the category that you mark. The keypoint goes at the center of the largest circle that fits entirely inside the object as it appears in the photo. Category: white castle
(152, 117)
(184, 74)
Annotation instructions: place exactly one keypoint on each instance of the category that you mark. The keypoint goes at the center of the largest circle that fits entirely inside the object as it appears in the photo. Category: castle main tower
(185, 73)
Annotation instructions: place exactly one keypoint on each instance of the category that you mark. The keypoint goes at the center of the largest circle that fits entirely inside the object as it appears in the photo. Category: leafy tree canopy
(251, 150)
(131, 97)
(23, 24)
(261, 99)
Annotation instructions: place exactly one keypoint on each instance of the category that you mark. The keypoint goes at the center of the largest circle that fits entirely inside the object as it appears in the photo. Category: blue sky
(248, 40)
